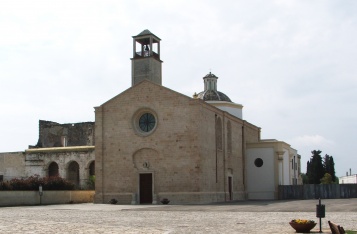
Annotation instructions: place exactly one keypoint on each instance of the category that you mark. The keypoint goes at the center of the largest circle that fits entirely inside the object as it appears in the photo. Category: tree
(305, 178)
(329, 166)
(308, 172)
(327, 179)
(315, 168)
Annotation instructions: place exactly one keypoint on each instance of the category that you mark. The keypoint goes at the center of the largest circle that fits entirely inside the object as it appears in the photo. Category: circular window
(147, 122)
(258, 162)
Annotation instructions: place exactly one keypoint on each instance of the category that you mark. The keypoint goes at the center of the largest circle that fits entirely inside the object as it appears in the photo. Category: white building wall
(286, 168)
(294, 167)
(260, 180)
(232, 108)
(280, 165)
(352, 179)
(233, 111)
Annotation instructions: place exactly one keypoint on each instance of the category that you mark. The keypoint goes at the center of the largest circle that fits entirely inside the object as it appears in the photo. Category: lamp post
(320, 212)
(40, 192)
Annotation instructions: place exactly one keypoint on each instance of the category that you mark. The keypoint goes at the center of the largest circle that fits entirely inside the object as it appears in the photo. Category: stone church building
(150, 142)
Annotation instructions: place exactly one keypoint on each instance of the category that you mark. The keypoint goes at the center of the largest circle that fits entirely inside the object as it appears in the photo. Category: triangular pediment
(154, 88)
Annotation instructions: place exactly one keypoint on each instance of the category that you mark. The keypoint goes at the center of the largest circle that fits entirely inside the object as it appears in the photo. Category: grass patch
(351, 232)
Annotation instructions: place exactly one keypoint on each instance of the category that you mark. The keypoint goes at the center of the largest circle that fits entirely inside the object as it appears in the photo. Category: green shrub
(91, 182)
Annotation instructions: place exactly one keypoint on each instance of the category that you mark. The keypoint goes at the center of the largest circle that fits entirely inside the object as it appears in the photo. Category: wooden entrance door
(145, 188)
(230, 189)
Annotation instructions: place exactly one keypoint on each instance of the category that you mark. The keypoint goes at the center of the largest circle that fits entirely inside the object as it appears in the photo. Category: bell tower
(146, 63)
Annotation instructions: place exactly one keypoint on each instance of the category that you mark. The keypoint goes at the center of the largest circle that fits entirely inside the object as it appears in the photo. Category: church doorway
(145, 188)
(230, 188)
(73, 173)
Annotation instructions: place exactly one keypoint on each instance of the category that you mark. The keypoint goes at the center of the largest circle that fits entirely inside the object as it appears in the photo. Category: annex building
(150, 142)
(65, 150)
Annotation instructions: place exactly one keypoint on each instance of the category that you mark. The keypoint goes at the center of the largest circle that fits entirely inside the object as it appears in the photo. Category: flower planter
(302, 227)
(165, 201)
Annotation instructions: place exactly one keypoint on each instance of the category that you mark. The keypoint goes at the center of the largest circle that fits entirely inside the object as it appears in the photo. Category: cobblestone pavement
(239, 217)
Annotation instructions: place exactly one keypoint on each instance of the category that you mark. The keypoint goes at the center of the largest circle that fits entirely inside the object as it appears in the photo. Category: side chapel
(152, 143)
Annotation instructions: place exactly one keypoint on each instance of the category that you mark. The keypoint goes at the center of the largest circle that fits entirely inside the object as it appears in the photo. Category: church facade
(153, 143)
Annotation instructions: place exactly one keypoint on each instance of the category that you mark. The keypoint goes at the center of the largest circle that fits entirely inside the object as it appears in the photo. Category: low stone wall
(26, 198)
(315, 191)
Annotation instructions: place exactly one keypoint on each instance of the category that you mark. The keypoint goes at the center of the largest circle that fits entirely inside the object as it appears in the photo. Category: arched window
(53, 170)
(229, 137)
(91, 174)
(73, 173)
(92, 168)
(219, 133)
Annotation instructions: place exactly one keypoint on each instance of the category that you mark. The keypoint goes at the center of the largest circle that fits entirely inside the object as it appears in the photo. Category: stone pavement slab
(234, 217)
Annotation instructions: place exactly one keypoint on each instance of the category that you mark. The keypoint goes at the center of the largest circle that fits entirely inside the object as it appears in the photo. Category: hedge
(33, 182)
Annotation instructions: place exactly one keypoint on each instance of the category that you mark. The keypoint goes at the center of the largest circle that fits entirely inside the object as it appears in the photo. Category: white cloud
(312, 141)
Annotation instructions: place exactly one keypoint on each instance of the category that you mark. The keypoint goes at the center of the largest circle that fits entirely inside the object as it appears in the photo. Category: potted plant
(302, 225)
(165, 201)
(113, 201)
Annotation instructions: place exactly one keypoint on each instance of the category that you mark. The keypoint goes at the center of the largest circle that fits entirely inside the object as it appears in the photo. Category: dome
(211, 93)
(210, 75)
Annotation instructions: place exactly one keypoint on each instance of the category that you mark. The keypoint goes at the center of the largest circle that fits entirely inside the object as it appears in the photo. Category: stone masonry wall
(52, 134)
(171, 151)
(37, 162)
(180, 153)
(12, 165)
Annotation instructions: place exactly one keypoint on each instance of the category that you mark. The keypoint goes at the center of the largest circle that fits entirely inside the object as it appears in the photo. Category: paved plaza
(234, 217)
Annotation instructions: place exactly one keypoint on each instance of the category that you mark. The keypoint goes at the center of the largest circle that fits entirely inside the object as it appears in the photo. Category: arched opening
(53, 169)
(73, 173)
(219, 133)
(92, 168)
(91, 179)
(229, 137)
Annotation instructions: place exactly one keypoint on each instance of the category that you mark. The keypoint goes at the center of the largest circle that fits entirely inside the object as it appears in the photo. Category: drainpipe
(224, 156)
(215, 137)
(243, 158)
(294, 167)
(102, 148)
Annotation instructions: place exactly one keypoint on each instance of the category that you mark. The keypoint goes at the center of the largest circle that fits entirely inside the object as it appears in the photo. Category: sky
(292, 64)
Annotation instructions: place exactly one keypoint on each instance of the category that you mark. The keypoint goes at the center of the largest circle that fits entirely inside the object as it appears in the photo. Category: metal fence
(315, 191)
